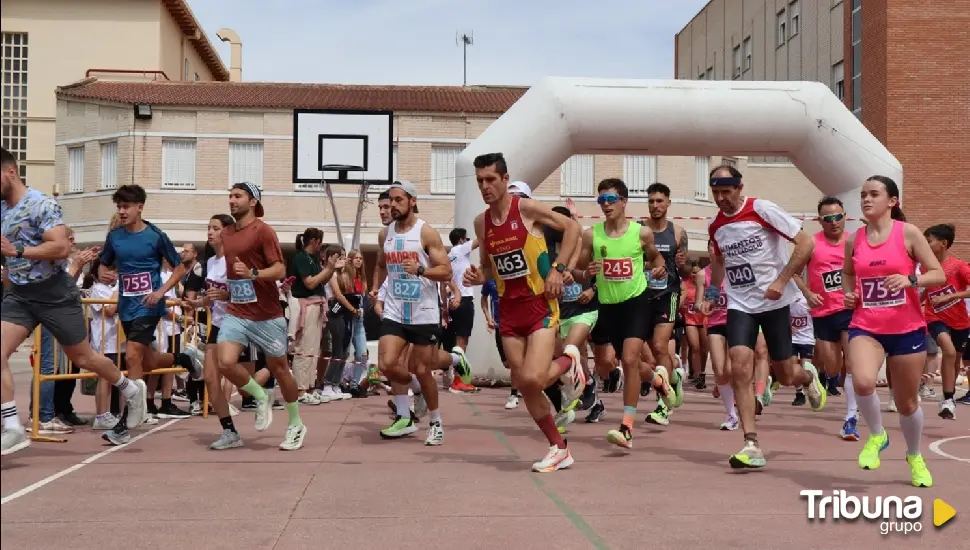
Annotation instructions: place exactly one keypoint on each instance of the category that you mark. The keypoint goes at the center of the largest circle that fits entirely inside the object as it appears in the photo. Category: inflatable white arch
(560, 117)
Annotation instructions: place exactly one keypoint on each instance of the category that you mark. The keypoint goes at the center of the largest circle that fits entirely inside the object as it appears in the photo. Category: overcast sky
(414, 41)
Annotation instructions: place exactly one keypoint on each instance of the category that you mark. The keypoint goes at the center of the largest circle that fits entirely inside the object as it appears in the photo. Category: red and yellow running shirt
(520, 259)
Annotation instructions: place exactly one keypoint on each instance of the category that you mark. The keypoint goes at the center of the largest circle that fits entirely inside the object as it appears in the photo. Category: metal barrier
(187, 326)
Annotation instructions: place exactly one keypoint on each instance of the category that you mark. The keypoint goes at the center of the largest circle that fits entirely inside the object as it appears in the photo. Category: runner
(35, 245)
(614, 251)
(138, 248)
(717, 342)
(489, 305)
(887, 321)
(529, 284)
(823, 291)
(254, 316)
(664, 294)
(413, 258)
(946, 312)
(749, 237)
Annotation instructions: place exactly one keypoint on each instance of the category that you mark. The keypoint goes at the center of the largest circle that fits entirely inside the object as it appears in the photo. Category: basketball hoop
(341, 169)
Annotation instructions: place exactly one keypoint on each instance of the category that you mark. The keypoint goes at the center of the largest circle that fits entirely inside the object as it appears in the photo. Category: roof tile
(259, 95)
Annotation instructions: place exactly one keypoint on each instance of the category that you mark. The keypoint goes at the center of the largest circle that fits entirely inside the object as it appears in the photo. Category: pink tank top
(719, 315)
(825, 275)
(879, 311)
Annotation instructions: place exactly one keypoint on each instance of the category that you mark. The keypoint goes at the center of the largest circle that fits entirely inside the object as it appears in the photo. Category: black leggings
(340, 333)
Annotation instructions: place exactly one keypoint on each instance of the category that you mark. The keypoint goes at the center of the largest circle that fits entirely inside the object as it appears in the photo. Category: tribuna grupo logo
(901, 515)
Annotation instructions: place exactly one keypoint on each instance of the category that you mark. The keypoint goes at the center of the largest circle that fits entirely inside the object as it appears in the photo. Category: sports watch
(561, 268)
(913, 280)
(420, 271)
(20, 250)
(255, 273)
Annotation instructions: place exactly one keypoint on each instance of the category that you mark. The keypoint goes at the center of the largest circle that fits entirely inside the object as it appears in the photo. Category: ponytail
(299, 242)
(897, 214)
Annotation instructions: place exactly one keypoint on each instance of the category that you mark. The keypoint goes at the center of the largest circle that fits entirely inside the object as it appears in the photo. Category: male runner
(137, 248)
(254, 316)
(614, 251)
(414, 260)
(664, 294)
(460, 306)
(750, 250)
(35, 245)
(823, 291)
(529, 285)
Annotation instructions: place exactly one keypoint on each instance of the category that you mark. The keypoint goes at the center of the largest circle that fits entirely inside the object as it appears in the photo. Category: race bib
(656, 284)
(799, 323)
(571, 293)
(721, 304)
(948, 289)
(832, 280)
(691, 308)
(406, 290)
(740, 276)
(241, 291)
(876, 295)
(617, 269)
(511, 265)
(18, 265)
(138, 284)
(215, 285)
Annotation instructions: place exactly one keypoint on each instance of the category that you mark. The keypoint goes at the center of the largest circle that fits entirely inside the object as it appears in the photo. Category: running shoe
(293, 439)
(117, 436)
(815, 392)
(512, 402)
(678, 386)
(965, 400)
(730, 424)
(401, 427)
(264, 410)
(228, 440)
(660, 416)
(137, 405)
(920, 473)
(12, 441)
(665, 390)
(948, 409)
(749, 457)
(589, 395)
(891, 407)
(875, 445)
(774, 385)
(463, 370)
(420, 406)
(622, 437)
(769, 392)
(169, 410)
(565, 418)
(574, 379)
(436, 435)
(850, 431)
(459, 387)
(555, 459)
(799, 398)
(596, 412)
(104, 421)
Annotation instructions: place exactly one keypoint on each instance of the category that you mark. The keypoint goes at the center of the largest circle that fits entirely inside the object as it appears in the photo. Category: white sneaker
(137, 405)
(12, 441)
(55, 426)
(512, 403)
(338, 394)
(892, 405)
(730, 424)
(308, 398)
(324, 395)
(264, 411)
(228, 440)
(574, 379)
(948, 409)
(436, 435)
(104, 422)
(294, 437)
(195, 409)
(555, 459)
(151, 420)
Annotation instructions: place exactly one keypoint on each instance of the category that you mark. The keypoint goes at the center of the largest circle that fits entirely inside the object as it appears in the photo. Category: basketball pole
(361, 198)
(336, 217)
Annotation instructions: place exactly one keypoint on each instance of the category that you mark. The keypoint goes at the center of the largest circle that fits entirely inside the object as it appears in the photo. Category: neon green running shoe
(462, 369)
(875, 445)
(678, 385)
(919, 471)
(749, 457)
(401, 427)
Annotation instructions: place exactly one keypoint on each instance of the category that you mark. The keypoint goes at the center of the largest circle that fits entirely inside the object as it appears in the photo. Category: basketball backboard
(360, 143)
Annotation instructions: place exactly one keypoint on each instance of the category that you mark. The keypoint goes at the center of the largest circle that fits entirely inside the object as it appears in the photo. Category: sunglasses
(832, 218)
(607, 198)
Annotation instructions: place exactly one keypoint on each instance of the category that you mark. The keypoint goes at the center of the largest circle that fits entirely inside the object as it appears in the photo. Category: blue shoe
(849, 431)
(965, 400)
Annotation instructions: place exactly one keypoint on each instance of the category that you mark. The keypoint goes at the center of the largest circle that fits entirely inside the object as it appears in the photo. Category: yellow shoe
(869, 457)
(918, 470)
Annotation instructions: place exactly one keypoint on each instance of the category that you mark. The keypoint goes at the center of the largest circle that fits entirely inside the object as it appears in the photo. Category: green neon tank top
(621, 271)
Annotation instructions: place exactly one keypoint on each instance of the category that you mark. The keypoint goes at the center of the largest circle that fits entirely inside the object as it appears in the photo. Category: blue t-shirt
(25, 223)
(139, 261)
(491, 291)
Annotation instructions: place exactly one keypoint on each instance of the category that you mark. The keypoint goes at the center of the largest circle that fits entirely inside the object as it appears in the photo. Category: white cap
(520, 187)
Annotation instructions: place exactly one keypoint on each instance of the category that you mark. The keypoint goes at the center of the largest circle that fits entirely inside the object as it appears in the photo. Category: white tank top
(410, 300)
(215, 277)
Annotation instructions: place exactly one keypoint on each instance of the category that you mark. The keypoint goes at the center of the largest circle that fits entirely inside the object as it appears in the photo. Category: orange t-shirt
(257, 246)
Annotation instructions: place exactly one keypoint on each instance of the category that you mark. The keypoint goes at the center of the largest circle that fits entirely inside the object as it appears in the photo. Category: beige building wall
(65, 38)
(89, 127)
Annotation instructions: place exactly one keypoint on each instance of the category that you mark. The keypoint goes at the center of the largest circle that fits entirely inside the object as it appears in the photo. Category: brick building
(899, 66)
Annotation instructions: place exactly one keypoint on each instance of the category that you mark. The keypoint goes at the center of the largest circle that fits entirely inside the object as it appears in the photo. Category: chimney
(235, 53)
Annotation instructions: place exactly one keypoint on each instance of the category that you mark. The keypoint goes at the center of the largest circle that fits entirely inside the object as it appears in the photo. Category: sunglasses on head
(607, 198)
(832, 218)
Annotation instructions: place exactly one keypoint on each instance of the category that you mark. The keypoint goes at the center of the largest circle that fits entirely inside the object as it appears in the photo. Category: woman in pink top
(887, 319)
(717, 342)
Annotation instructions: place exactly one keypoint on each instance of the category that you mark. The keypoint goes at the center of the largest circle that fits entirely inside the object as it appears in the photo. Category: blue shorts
(896, 344)
(829, 328)
(269, 336)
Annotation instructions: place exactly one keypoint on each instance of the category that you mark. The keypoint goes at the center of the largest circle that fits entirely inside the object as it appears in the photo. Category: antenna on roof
(464, 39)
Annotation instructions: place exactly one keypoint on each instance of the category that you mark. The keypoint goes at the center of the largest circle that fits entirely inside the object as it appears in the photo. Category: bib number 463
(511, 265)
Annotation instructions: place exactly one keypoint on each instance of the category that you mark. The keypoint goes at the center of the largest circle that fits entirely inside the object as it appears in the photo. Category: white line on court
(935, 447)
(89, 460)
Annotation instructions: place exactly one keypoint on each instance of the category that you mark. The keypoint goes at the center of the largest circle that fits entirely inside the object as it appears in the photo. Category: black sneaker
(759, 407)
(588, 399)
(799, 399)
(833, 388)
(278, 405)
(700, 382)
(248, 404)
(596, 412)
(169, 410)
(965, 400)
(612, 384)
(644, 389)
(72, 419)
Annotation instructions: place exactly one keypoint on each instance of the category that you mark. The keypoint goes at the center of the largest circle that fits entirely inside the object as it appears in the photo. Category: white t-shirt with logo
(104, 330)
(803, 331)
(753, 244)
(460, 262)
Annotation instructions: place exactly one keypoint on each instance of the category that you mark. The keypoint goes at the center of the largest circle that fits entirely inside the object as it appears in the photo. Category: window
(736, 57)
(729, 161)
(75, 169)
(781, 21)
(795, 13)
(178, 164)
(577, 175)
(748, 50)
(246, 162)
(109, 165)
(443, 159)
(13, 59)
(702, 170)
(838, 80)
(639, 171)
(753, 160)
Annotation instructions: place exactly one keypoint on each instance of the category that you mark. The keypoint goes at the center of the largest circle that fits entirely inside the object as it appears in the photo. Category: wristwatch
(561, 268)
(20, 250)
(913, 280)
(420, 271)
(255, 273)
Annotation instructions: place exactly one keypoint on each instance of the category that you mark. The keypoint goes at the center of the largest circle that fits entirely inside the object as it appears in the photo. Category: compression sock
(869, 410)
(912, 428)
(851, 409)
(254, 389)
(548, 426)
(629, 414)
(293, 410)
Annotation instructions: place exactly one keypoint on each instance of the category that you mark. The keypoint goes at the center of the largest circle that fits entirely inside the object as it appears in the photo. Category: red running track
(348, 489)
